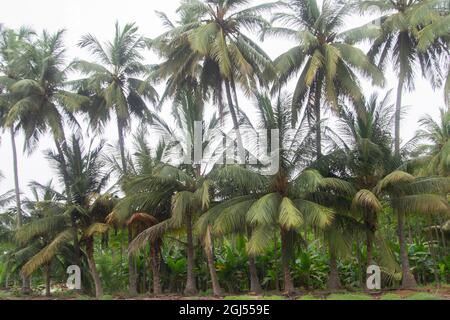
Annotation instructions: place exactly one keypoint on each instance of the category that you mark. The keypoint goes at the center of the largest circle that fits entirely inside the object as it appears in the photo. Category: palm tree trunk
(76, 242)
(369, 245)
(370, 234)
(241, 152)
(408, 280)
(62, 151)
(93, 267)
(288, 283)
(433, 255)
(7, 281)
(255, 286)
(26, 285)
(47, 280)
(154, 252)
(122, 145)
(61, 147)
(217, 290)
(191, 287)
(233, 87)
(25, 281)
(132, 279)
(318, 116)
(16, 179)
(334, 283)
(398, 113)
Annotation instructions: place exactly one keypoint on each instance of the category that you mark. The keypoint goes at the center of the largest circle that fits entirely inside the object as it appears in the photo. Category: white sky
(98, 17)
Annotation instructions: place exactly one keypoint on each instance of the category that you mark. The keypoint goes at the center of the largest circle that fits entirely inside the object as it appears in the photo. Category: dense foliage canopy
(345, 192)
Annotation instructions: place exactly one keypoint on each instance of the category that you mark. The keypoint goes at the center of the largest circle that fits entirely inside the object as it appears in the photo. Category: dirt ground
(442, 292)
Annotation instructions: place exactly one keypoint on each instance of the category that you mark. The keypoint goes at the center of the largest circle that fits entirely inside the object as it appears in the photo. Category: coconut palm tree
(35, 96)
(221, 40)
(182, 186)
(212, 34)
(115, 86)
(181, 66)
(87, 177)
(327, 63)
(44, 103)
(277, 202)
(407, 194)
(127, 214)
(115, 82)
(365, 139)
(432, 157)
(12, 45)
(395, 39)
(434, 33)
(47, 223)
(138, 223)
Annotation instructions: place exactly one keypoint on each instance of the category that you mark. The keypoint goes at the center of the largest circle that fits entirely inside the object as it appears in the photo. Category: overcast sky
(98, 17)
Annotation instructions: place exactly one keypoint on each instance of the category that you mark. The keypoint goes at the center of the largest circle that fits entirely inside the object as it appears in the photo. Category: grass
(426, 293)
(349, 296)
(423, 296)
(308, 297)
(272, 298)
(390, 296)
(4, 295)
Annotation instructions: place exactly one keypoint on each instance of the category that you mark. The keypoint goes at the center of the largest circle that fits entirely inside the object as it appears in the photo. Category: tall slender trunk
(285, 258)
(48, 280)
(370, 234)
(408, 280)
(26, 285)
(93, 267)
(275, 265)
(334, 283)
(191, 286)
(236, 101)
(7, 281)
(433, 255)
(369, 245)
(442, 234)
(132, 278)
(76, 242)
(16, 179)
(361, 271)
(398, 113)
(25, 281)
(62, 149)
(154, 252)
(318, 116)
(255, 286)
(234, 117)
(120, 133)
(208, 243)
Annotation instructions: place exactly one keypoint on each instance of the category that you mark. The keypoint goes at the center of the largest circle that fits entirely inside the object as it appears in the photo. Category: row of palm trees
(335, 182)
